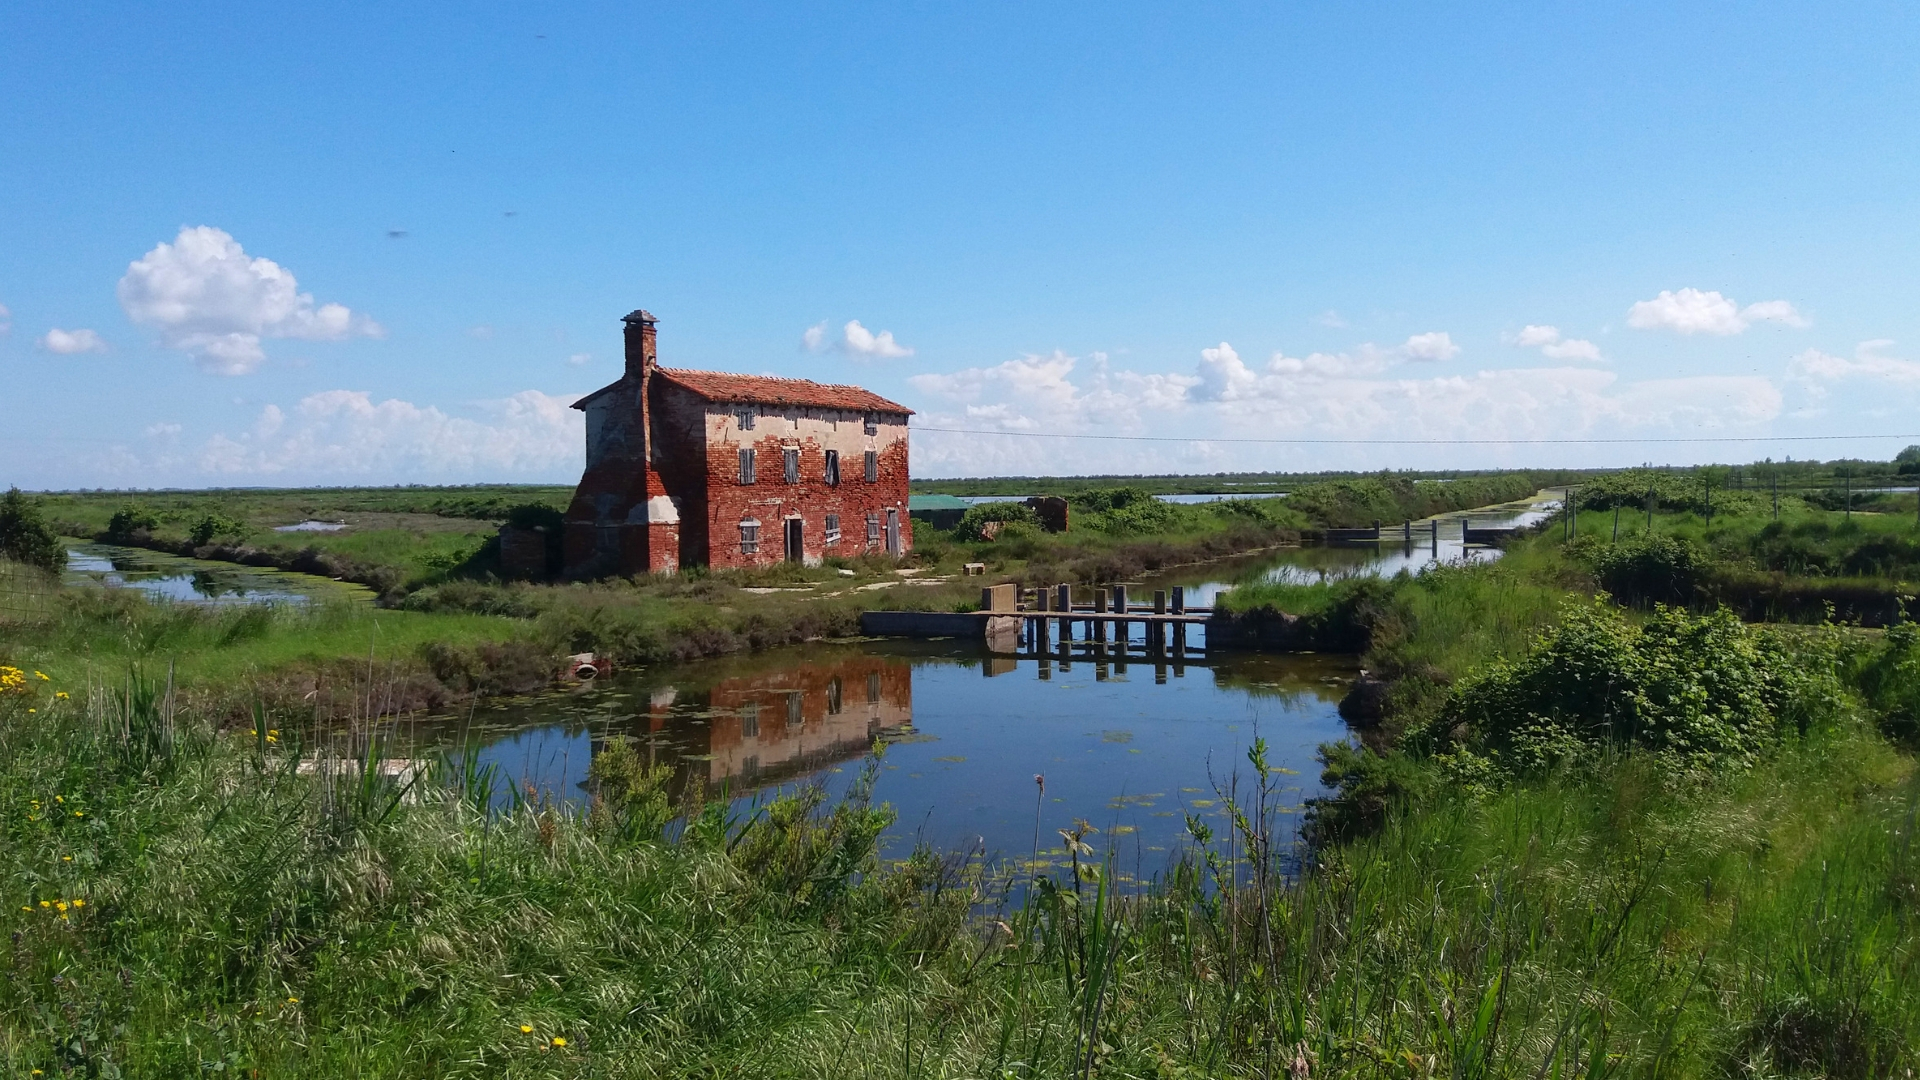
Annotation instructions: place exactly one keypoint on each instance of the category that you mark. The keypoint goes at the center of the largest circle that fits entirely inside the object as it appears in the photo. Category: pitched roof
(767, 390)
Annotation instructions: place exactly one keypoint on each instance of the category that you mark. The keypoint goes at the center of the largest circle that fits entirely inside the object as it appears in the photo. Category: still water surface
(1129, 748)
(197, 581)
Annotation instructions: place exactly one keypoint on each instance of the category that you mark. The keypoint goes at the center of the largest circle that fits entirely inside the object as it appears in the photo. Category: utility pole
(1776, 495)
(1616, 523)
(1649, 509)
(1849, 494)
(1706, 483)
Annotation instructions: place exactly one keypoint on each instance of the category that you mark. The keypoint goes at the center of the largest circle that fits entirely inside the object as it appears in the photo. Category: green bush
(973, 523)
(24, 535)
(214, 526)
(129, 520)
(1703, 693)
(1647, 569)
(1889, 681)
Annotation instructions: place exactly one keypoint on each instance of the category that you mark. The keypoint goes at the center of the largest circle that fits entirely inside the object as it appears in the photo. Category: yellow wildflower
(79, 903)
(59, 798)
(66, 858)
(42, 676)
(44, 904)
(293, 1001)
(526, 1029)
(60, 904)
(60, 694)
(558, 1041)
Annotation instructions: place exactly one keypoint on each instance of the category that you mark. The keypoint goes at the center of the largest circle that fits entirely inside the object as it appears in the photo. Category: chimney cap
(639, 316)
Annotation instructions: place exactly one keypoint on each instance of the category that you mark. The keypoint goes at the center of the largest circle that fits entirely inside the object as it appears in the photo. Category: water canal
(1128, 747)
(1131, 747)
(198, 581)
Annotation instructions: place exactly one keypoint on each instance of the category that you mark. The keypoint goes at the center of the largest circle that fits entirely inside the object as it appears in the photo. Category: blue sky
(1452, 223)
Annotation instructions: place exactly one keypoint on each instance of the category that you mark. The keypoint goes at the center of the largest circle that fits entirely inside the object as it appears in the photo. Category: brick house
(701, 468)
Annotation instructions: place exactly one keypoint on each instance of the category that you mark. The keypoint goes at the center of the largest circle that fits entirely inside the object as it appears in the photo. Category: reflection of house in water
(767, 728)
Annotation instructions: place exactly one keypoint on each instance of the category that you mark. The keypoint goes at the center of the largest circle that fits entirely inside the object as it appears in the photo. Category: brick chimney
(642, 353)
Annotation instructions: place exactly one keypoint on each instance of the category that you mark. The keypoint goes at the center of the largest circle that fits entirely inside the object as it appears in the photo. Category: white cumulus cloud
(208, 298)
(347, 433)
(1553, 345)
(1436, 345)
(1869, 361)
(859, 341)
(1692, 311)
(579, 359)
(72, 342)
(855, 340)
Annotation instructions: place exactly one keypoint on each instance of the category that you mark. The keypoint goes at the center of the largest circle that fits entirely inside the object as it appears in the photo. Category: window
(790, 464)
(833, 468)
(794, 716)
(873, 423)
(750, 720)
(745, 418)
(749, 537)
(833, 696)
(873, 467)
(873, 686)
(833, 528)
(873, 530)
(746, 465)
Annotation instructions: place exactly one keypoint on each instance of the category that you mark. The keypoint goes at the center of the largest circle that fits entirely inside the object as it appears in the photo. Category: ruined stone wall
(605, 524)
(772, 501)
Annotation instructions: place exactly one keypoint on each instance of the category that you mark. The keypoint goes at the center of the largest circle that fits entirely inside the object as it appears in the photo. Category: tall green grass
(239, 915)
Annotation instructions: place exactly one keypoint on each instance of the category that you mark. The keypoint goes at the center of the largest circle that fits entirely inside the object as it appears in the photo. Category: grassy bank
(181, 902)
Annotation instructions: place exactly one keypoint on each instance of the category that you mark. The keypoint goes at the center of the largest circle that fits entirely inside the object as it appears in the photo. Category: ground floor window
(749, 537)
(833, 528)
(873, 530)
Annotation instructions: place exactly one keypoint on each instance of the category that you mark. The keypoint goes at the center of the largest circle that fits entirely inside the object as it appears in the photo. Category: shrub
(24, 535)
(130, 520)
(973, 523)
(1702, 692)
(1889, 681)
(215, 526)
(1648, 569)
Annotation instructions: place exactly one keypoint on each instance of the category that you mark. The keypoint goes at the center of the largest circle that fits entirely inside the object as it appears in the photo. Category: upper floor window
(833, 468)
(746, 465)
(873, 467)
(790, 464)
(745, 418)
(873, 423)
(833, 696)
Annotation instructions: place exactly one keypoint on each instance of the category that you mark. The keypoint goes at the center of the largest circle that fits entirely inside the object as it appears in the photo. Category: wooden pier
(1049, 622)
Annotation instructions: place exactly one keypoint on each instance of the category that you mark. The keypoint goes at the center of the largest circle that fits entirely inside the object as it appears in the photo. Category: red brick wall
(771, 500)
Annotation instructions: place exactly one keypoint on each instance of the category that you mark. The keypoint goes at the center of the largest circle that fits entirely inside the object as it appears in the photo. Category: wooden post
(1040, 627)
(1436, 539)
(1179, 599)
(1120, 635)
(1157, 629)
(1409, 531)
(1096, 626)
(1063, 603)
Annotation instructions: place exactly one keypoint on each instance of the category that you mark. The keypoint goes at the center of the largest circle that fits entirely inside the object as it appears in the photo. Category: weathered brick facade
(666, 479)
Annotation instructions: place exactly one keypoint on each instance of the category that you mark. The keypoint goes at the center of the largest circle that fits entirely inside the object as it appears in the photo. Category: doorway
(893, 532)
(793, 539)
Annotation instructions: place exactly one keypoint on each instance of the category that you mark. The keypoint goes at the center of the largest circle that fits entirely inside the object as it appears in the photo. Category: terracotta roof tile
(767, 390)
